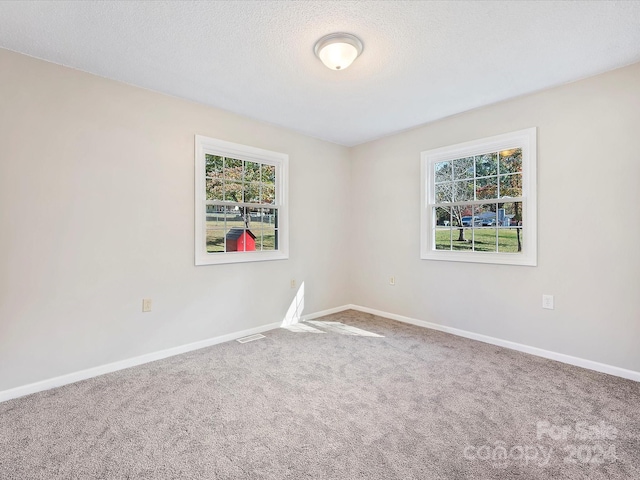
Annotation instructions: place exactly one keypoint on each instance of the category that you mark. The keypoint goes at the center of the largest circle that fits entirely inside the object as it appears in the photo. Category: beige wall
(588, 226)
(96, 208)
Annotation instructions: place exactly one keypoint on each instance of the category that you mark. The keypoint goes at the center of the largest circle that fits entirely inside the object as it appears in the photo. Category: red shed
(240, 240)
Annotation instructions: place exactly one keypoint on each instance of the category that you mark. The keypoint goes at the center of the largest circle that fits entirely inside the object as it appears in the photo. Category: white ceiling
(422, 60)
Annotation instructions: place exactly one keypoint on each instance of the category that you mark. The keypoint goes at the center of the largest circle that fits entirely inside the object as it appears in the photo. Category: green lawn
(265, 233)
(478, 239)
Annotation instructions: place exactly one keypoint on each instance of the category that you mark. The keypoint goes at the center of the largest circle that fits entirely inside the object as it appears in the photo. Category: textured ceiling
(422, 60)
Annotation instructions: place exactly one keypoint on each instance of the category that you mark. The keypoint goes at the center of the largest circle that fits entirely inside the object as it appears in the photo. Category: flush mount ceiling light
(338, 50)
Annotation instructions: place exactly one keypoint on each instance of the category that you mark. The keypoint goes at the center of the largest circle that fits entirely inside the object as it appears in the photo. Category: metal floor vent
(250, 338)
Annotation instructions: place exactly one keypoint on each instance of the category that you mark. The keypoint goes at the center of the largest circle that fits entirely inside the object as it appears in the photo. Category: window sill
(481, 257)
(239, 257)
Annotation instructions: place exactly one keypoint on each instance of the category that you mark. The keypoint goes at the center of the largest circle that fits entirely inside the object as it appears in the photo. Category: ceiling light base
(338, 50)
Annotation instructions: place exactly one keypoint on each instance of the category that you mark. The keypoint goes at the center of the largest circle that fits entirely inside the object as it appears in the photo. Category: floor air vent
(251, 338)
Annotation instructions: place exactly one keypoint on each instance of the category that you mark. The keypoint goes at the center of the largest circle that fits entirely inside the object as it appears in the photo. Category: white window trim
(206, 145)
(525, 139)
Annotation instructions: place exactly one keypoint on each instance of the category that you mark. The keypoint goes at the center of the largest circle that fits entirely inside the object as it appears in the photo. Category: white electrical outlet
(392, 280)
(547, 302)
(146, 304)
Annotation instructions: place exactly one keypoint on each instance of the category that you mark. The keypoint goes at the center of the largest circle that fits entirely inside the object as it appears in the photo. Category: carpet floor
(349, 396)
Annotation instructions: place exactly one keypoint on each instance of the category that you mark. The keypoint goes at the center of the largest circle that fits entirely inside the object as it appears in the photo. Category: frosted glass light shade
(338, 50)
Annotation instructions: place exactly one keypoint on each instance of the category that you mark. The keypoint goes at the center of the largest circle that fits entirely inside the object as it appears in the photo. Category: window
(240, 203)
(479, 201)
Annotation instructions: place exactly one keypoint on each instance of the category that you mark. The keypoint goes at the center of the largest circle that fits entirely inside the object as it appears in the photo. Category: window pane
(268, 193)
(256, 218)
(215, 217)
(269, 229)
(461, 215)
(213, 166)
(268, 173)
(461, 239)
(443, 238)
(251, 172)
(233, 192)
(511, 161)
(484, 239)
(510, 214)
(443, 171)
(444, 192)
(270, 217)
(214, 189)
(212, 209)
(215, 241)
(269, 238)
(231, 238)
(483, 223)
(442, 217)
(511, 185)
(252, 192)
(233, 169)
(251, 241)
(485, 215)
(461, 234)
(231, 212)
(501, 216)
(254, 221)
(235, 217)
(510, 231)
(508, 239)
(487, 165)
(463, 168)
(486, 188)
(462, 190)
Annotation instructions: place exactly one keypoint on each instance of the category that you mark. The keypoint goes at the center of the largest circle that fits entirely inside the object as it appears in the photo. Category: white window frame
(524, 139)
(206, 145)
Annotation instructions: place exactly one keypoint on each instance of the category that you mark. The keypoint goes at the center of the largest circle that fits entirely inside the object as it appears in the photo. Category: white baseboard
(170, 352)
(130, 362)
(539, 352)
(324, 313)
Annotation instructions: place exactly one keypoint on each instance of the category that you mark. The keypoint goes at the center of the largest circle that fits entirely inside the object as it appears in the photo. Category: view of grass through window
(241, 211)
(478, 203)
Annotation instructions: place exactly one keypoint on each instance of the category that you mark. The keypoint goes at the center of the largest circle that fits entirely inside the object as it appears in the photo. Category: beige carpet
(329, 401)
